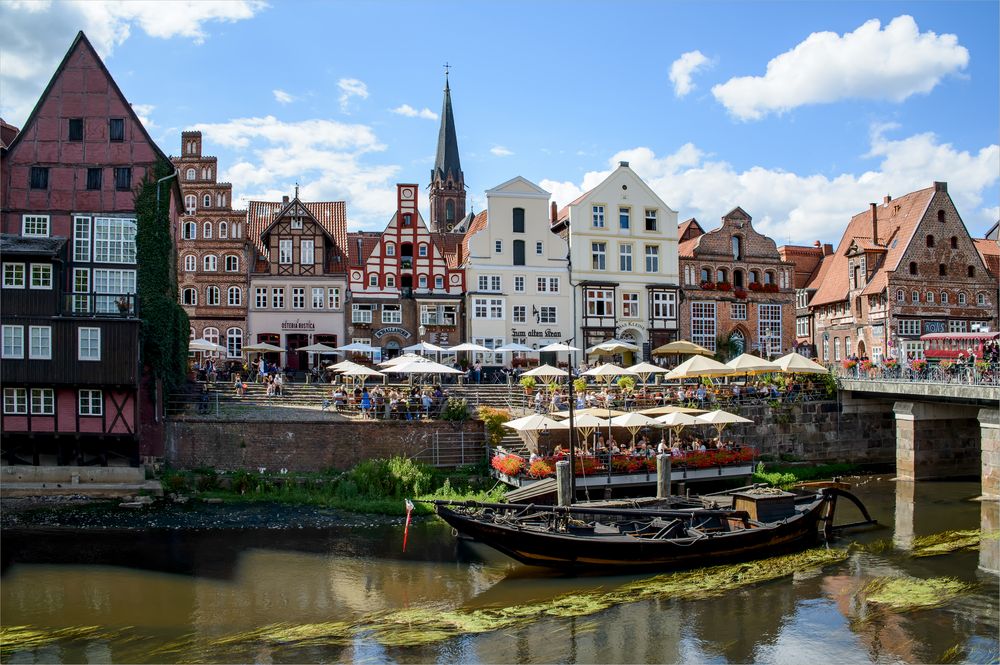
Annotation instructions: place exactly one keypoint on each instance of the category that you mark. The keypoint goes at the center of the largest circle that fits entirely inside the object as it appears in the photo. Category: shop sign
(524, 334)
(933, 326)
(392, 330)
(298, 324)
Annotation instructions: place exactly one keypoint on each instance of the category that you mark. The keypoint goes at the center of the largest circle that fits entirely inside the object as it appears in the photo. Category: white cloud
(34, 36)
(683, 68)
(410, 112)
(869, 63)
(282, 97)
(328, 158)
(501, 151)
(144, 111)
(350, 88)
(804, 207)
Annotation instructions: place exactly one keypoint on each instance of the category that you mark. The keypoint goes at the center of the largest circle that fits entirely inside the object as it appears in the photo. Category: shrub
(455, 410)
(396, 478)
(849, 364)
(756, 286)
(494, 419)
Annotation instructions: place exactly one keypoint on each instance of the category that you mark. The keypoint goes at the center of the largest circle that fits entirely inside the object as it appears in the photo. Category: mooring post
(662, 476)
(564, 491)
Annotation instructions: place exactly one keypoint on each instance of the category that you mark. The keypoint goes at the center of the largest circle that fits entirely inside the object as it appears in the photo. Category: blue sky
(800, 112)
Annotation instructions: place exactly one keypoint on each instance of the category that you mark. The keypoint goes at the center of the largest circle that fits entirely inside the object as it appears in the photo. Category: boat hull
(569, 551)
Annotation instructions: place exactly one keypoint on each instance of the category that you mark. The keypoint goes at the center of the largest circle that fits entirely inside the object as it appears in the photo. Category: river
(256, 594)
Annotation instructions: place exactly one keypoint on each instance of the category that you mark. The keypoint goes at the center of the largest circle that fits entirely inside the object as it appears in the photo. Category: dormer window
(297, 223)
(737, 248)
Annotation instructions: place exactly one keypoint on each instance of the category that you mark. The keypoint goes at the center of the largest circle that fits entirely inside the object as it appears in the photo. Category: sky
(799, 112)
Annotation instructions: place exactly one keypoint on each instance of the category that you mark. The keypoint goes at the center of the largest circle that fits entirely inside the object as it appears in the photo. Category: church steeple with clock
(447, 188)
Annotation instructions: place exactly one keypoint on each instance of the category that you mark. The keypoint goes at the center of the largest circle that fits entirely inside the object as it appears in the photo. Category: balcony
(100, 305)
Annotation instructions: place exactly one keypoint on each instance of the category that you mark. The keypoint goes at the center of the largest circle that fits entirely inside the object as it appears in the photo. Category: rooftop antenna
(296, 190)
(447, 67)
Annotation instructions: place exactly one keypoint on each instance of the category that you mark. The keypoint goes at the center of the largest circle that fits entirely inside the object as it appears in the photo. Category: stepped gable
(897, 221)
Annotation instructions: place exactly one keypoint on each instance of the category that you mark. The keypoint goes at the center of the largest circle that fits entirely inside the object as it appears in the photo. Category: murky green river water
(311, 595)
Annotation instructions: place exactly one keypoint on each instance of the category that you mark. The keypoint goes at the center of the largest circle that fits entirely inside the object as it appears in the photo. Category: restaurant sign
(547, 334)
(392, 330)
(933, 326)
(298, 324)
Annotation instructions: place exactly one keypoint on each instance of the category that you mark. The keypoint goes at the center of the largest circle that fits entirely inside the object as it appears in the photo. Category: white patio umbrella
(546, 371)
(317, 348)
(608, 372)
(664, 410)
(748, 364)
(263, 347)
(794, 363)
(719, 419)
(404, 358)
(697, 366)
(633, 422)
(425, 347)
(557, 347)
(361, 371)
(343, 366)
(600, 412)
(469, 346)
(421, 367)
(528, 428)
(675, 422)
(358, 347)
(205, 346)
(515, 347)
(645, 370)
(612, 346)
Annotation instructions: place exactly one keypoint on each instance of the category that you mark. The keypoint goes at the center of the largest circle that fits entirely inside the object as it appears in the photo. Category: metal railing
(454, 449)
(116, 305)
(970, 375)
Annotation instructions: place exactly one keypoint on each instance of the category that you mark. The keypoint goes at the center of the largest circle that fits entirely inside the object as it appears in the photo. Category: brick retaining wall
(302, 446)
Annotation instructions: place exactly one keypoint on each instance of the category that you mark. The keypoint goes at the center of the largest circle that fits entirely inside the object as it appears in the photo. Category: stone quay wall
(311, 446)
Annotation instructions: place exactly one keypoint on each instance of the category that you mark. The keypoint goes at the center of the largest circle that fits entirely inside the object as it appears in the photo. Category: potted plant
(849, 364)
(918, 365)
(580, 385)
(528, 383)
(626, 384)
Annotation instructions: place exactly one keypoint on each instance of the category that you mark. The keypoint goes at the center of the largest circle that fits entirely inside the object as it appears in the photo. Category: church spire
(447, 195)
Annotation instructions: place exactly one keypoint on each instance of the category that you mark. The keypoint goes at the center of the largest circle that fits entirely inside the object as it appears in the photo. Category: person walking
(366, 403)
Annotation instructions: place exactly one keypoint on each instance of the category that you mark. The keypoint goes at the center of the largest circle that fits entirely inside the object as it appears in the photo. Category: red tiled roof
(331, 215)
(477, 224)
(820, 273)
(686, 249)
(360, 245)
(450, 246)
(564, 212)
(689, 226)
(897, 221)
(989, 250)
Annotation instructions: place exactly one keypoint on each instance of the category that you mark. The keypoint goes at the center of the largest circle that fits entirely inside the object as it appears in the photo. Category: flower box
(756, 286)
(740, 293)
(723, 286)
(708, 286)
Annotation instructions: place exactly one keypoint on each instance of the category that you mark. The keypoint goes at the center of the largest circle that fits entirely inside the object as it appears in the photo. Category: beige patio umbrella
(612, 346)
(698, 366)
(546, 371)
(645, 370)
(529, 427)
(675, 422)
(794, 363)
(633, 422)
(681, 347)
(719, 419)
(204, 345)
(362, 372)
(665, 410)
(748, 364)
(403, 358)
(590, 411)
(317, 348)
(263, 347)
(343, 365)
(587, 425)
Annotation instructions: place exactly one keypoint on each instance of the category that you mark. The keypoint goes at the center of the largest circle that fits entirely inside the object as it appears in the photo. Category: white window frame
(490, 283)
(223, 230)
(769, 319)
(210, 263)
(392, 314)
(234, 342)
(190, 263)
(650, 216)
(114, 240)
(518, 283)
(422, 250)
(704, 323)
(318, 297)
(277, 297)
(36, 226)
(361, 312)
(14, 275)
(213, 296)
(597, 216)
(519, 314)
(81, 239)
(193, 300)
(81, 284)
(652, 258)
(43, 402)
(15, 401)
(624, 215)
(298, 297)
(44, 351)
(307, 252)
(548, 315)
(90, 402)
(630, 305)
(603, 297)
(236, 301)
(88, 344)
(296, 223)
(390, 249)
(664, 305)
(598, 255)
(625, 257)
(232, 263)
(333, 298)
(189, 230)
(962, 298)
(738, 311)
(260, 297)
(909, 327)
(958, 326)
(438, 282)
(206, 230)
(285, 251)
(12, 342)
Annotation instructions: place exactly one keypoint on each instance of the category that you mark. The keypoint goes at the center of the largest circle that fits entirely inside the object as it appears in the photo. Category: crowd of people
(387, 402)
(645, 447)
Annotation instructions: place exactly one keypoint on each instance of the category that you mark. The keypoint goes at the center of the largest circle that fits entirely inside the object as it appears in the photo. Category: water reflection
(989, 548)
(176, 596)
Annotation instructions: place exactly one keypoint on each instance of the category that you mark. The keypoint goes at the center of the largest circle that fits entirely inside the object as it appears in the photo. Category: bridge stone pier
(942, 430)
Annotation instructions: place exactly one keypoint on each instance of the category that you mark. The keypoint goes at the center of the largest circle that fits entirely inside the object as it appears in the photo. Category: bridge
(941, 425)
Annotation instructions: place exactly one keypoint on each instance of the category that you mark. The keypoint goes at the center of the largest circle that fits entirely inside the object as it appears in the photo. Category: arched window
(190, 263)
(954, 242)
(422, 249)
(706, 275)
(961, 298)
(211, 263)
(972, 271)
(190, 203)
(234, 296)
(913, 267)
(422, 281)
(914, 297)
(438, 282)
(449, 211)
(900, 296)
(753, 277)
(220, 200)
(206, 230)
(518, 247)
(941, 216)
(234, 342)
(223, 229)
(721, 274)
(373, 280)
(212, 295)
(189, 296)
(981, 299)
(930, 241)
(738, 278)
(518, 220)
(390, 249)
(232, 263)
(190, 231)
(390, 281)
(944, 297)
(769, 277)
(237, 230)
(929, 296)
(190, 174)
(206, 201)
(211, 335)
(737, 248)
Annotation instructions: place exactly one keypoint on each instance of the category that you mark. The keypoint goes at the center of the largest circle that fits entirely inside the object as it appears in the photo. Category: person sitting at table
(662, 448)
(581, 400)
(613, 445)
(681, 397)
(538, 401)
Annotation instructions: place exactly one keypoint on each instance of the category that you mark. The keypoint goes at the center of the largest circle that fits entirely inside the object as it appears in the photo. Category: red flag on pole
(406, 529)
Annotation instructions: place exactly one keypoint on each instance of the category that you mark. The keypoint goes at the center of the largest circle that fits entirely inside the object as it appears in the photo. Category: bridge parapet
(969, 393)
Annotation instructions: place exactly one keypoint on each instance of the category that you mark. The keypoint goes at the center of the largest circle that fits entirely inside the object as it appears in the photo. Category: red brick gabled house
(73, 388)
(737, 289)
(904, 268)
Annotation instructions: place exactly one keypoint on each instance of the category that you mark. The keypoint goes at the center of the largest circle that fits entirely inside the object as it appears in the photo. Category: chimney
(941, 187)
(625, 164)
(874, 223)
(827, 249)
(284, 199)
(885, 201)
(554, 212)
